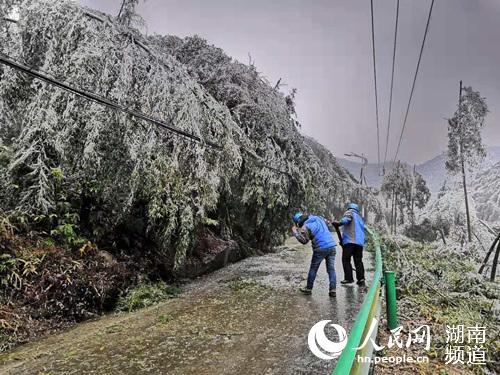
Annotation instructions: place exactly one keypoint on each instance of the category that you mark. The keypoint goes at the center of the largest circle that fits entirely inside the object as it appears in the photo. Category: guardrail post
(348, 362)
(390, 296)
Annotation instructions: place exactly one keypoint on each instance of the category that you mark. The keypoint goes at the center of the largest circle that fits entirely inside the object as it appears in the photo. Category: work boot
(332, 292)
(347, 282)
(305, 290)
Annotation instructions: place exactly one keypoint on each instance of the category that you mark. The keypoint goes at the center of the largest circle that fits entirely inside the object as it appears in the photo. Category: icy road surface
(247, 318)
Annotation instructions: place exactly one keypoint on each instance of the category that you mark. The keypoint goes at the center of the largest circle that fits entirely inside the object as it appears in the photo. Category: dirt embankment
(47, 286)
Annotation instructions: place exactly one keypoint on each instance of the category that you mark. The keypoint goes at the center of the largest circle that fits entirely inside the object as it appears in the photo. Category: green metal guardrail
(347, 363)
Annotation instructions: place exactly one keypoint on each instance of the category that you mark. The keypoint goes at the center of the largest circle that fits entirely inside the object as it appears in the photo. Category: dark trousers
(349, 251)
(318, 255)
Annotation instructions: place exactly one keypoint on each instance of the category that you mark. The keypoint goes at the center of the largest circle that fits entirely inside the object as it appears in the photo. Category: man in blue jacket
(353, 240)
(315, 229)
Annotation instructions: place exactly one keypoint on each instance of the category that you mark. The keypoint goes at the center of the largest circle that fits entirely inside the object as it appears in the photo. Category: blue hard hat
(353, 206)
(297, 216)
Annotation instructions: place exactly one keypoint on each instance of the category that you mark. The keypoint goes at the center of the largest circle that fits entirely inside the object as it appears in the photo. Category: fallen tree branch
(487, 257)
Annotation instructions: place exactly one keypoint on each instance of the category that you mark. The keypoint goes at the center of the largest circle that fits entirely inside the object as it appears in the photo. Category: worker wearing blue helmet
(315, 229)
(353, 240)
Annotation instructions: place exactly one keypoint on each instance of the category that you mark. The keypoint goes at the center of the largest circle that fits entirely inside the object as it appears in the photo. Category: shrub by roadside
(146, 294)
(438, 287)
(46, 285)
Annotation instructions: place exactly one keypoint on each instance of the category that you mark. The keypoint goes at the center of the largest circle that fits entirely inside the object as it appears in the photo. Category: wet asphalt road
(287, 271)
(246, 318)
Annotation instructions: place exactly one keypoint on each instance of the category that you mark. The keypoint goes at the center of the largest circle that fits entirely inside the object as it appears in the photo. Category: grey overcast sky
(323, 48)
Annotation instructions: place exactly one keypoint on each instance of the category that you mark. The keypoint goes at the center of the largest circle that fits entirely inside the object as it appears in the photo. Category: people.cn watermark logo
(321, 346)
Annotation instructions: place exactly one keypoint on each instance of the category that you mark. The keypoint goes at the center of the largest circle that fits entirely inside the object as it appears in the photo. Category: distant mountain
(433, 170)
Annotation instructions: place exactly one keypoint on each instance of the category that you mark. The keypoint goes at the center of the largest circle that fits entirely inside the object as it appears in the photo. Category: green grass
(164, 319)
(146, 294)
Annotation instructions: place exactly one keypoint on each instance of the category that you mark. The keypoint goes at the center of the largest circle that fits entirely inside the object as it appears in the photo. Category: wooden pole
(495, 262)
(487, 257)
(462, 162)
(392, 210)
(395, 212)
(442, 235)
(413, 192)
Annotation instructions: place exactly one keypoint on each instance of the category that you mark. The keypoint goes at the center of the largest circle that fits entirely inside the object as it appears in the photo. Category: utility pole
(363, 165)
(462, 162)
(413, 191)
(392, 211)
(396, 199)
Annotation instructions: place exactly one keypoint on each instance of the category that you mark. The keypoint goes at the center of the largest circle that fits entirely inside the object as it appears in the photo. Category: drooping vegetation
(69, 160)
(83, 184)
(465, 147)
(438, 287)
(404, 191)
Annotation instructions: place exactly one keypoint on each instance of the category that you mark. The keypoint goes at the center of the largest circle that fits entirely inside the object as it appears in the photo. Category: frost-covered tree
(8, 9)
(127, 14)
(447, 213)
(486, 194)
(121, 179)
(115, 169)
(465, 147)
(268, 118)
(420, 193)
(405, 189)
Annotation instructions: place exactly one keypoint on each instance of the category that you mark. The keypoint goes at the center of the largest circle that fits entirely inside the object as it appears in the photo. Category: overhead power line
(6, 60)
(414, 80)
(392, 82)
(375, 81)
(44, 76)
